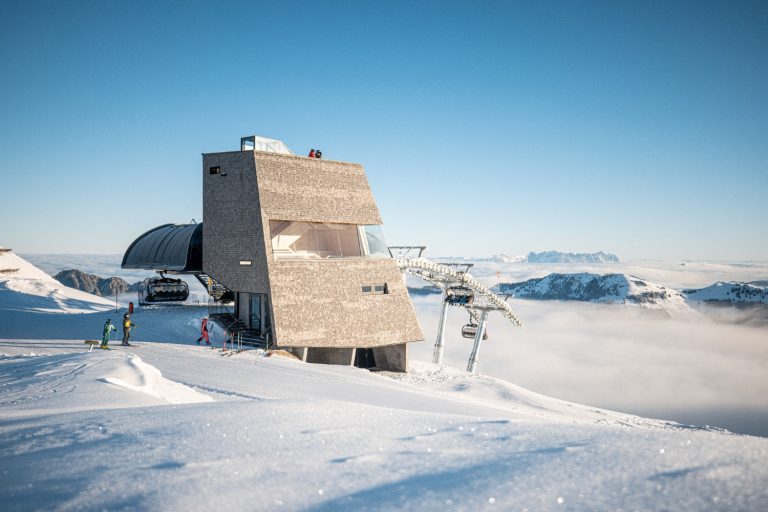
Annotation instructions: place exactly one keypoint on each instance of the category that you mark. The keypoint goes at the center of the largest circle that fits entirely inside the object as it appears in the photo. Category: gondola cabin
(164, 289)
(470, 331)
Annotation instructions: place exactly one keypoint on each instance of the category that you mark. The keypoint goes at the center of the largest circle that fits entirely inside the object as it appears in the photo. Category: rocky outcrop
(104, 287)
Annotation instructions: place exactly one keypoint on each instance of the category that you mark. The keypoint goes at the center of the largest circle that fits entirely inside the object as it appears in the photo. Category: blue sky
(638, 128)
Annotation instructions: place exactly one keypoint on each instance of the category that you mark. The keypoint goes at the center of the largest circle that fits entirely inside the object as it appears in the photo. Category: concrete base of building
(393, 358)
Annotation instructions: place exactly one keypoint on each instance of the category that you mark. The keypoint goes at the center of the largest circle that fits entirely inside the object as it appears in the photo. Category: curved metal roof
(170, 247)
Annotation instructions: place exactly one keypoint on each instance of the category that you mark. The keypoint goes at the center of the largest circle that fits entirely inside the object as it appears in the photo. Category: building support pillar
(352, 359)
(472, 364)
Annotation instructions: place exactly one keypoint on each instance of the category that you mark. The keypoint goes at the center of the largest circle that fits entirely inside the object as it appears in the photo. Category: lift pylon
(456, 276)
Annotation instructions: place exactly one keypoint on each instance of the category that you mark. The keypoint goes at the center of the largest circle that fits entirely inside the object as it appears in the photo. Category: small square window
(376, 289)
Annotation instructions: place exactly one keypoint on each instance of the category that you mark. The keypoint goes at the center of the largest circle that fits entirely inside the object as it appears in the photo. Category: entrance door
(256, 316)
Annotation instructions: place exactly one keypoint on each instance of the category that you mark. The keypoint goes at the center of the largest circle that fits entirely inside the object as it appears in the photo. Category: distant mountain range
(555, 257)
(103, 287)
(624, 289)
(628, 289)
(590, 287)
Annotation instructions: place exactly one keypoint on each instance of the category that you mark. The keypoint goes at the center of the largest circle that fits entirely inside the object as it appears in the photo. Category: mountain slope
(609, 288)
(103, 287)
(731, 292)
(282, 434)
(25, 287)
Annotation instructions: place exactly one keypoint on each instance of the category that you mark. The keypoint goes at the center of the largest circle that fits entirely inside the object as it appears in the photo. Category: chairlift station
(292, 252)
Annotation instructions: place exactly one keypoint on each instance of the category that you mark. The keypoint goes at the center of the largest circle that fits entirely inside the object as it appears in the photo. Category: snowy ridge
(570, 257)
(585, 286)
(731, 292)
(555, 257)
(627, 289)
(25, 287)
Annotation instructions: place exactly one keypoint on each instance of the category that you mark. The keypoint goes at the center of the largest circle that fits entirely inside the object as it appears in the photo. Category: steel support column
(437, 353)
(472, 364)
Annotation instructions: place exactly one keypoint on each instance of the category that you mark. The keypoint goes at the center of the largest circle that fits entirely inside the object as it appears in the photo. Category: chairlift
(164, 289)
(470, 331)
(459, 296)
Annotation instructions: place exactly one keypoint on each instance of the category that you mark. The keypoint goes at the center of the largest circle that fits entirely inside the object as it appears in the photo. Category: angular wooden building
(299, 241)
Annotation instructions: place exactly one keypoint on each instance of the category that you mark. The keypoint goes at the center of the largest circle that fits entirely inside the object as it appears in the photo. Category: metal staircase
(216, 290)
(238, 332)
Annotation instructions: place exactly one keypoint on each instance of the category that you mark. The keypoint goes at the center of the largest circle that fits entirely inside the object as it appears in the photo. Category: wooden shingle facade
(296, 239)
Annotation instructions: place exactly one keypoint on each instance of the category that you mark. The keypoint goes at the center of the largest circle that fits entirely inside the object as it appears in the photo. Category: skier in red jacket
(204, 332)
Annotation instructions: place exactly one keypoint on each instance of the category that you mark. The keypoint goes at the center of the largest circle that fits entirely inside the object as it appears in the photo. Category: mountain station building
(298, 242)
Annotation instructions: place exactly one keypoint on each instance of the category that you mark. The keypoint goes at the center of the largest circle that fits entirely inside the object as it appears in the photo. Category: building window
(214, 170)
(314, 240)
(375, 289)
(375, 245)
(318, 240)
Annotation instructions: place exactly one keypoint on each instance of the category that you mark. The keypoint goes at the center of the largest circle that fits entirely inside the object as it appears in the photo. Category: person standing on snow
(204, 332)
(311, 153)
(108, 328)
(127, 329)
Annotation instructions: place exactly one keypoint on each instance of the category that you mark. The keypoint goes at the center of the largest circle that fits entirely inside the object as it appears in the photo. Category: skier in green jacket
(108, 328)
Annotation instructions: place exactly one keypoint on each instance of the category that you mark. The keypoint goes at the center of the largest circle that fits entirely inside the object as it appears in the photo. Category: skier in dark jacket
(127, 329)
(108, 328)
(318, 154)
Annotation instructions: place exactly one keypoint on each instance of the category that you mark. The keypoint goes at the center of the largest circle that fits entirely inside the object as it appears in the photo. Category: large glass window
(374, 239)
(317, 240)
(314, 240)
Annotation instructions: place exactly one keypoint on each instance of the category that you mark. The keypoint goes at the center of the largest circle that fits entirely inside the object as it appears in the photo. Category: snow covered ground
(105, 430)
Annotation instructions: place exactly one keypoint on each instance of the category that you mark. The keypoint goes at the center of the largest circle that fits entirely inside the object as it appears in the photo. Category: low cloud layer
(693, 370)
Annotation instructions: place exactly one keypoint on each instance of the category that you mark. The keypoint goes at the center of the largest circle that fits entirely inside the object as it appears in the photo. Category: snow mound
(24, 287)
(76, 382)
(135, 375)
